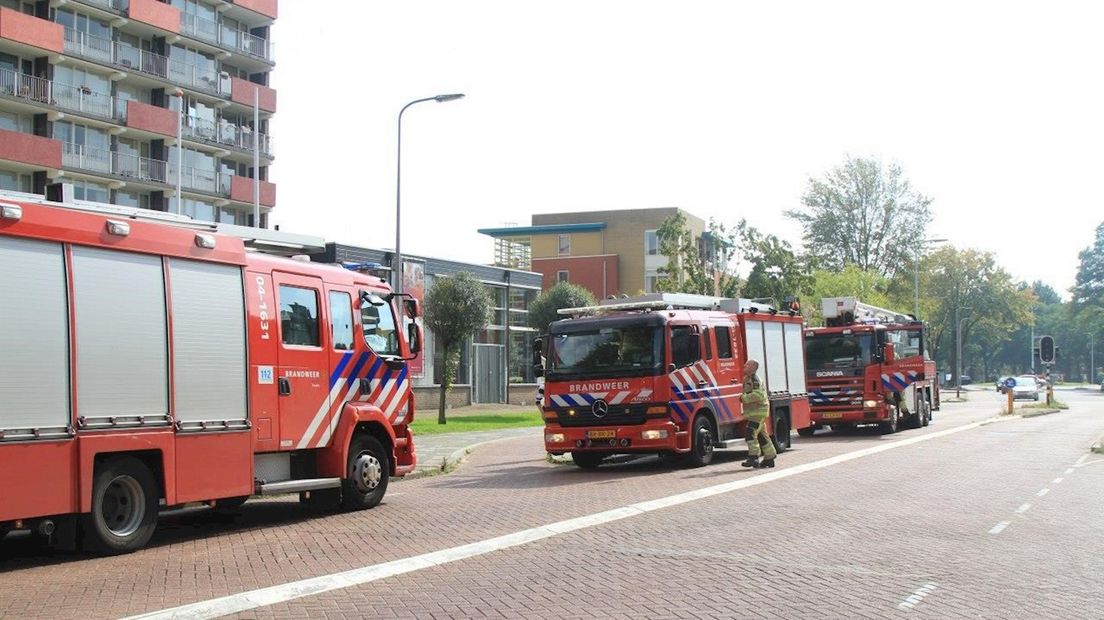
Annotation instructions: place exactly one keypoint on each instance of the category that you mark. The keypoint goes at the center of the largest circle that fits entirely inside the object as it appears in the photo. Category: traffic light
(1046, 349)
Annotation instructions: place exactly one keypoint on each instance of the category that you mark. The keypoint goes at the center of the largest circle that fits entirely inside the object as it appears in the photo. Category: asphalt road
(963, 518)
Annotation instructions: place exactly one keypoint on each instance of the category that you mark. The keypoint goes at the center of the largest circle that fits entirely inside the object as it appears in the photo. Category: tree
(455, 308)
(542, 310)
(851, 281)
(1089, 287)
(702, 265)
(776, 270)
(863, 214)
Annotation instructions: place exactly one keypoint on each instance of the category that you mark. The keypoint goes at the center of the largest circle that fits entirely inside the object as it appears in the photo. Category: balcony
(30, 150)
(225, 134)
(134, 168)
(121, 55)
(114, 5)
(217, 33)
(72, 98)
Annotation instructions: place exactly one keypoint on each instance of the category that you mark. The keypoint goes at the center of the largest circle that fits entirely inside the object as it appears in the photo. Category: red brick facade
(598, 274)
(151, 118)
(241, 91)
(241, 190)
(156, 14)
(31, 30)
(264, 7)
(29, 149)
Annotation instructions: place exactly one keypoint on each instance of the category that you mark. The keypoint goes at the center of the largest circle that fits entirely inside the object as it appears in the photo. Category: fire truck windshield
(828, 351)
(631, 350)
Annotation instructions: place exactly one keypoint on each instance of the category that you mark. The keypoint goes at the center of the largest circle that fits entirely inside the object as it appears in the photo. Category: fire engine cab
(663, 373)
(869, 365)
(148, 362)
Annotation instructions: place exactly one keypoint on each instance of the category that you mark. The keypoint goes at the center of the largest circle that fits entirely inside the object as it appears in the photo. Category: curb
(450, 462)
(1035, 414)
(1098, 447)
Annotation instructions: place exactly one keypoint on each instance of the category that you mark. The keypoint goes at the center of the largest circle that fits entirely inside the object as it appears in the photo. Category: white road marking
(1058, 480)
(1081, 460)
(1069, 471)
(998, 528)
(253, 599)
(1043, 492)
(1023, 509)
(917, 596)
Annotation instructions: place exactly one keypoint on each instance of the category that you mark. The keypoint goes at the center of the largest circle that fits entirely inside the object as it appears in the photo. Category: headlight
(653, 435)
(554, 438)
(870, 404)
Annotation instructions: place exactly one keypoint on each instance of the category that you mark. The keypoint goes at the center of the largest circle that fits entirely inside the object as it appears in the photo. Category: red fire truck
(869, 365)
(148, 362)
(663, 373)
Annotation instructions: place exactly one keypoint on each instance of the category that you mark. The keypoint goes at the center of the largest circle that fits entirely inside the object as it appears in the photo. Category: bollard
(1011, 400)
(1050, 395)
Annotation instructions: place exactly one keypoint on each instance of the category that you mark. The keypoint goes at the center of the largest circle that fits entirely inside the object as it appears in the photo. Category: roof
(548, 229)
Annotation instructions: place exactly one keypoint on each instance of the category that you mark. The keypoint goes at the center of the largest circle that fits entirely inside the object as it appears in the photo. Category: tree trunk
(441, 405)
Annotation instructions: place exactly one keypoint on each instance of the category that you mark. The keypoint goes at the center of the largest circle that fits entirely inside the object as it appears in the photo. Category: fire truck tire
(891, 425)
(701, 443)
(925, 410)
(806, 432)
(124, 507)
(369, 471)
(781, 437)
(588, 460)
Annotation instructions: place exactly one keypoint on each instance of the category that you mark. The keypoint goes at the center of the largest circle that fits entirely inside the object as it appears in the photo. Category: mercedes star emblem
(600, 408)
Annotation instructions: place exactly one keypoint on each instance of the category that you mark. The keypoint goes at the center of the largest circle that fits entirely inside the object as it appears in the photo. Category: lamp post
(179, 94)
(396, 263)
(958, 352)
(916, 273)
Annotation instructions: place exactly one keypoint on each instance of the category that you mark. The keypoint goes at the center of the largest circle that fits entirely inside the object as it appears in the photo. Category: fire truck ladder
(672, 301)
(256, 239)
(839, 311)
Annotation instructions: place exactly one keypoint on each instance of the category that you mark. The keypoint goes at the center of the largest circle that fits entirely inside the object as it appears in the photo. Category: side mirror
(414, 338)
(372, 299)
(412, 308)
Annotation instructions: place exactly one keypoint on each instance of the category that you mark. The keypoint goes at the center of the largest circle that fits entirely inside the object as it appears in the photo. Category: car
(1026, 387)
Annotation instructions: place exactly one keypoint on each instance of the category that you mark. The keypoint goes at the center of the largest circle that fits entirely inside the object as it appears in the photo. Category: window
(651, 243)
(341, 321)
(561, 276)
(708, 344)
(565, 245)
(299, 316)
(379, 327)
(685, 346)
(125, 198)
(911, 344)
(15, 122)
(89, 190)
(724, 343)
(15, 182)
(651, 278)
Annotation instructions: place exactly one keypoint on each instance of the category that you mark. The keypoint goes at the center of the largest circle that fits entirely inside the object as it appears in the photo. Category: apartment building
(129, 99)
(606, 252)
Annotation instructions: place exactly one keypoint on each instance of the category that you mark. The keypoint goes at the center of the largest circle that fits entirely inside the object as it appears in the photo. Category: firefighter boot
(752, 462)
(767, 463)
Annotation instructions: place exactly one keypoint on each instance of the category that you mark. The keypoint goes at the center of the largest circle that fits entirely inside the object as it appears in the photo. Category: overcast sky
(724, 109)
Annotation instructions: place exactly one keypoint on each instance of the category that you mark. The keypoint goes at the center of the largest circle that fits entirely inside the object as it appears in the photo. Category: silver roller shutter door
(34, 336)
(795, 358)
(754, 338)
(208, 341)
(776, 357)
(122, 359)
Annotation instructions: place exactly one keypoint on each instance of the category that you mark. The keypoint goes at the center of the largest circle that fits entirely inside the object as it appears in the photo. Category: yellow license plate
(832, 414)
(601, 434)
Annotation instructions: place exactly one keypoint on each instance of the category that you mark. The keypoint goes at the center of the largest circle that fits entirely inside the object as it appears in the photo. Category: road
(963, 518)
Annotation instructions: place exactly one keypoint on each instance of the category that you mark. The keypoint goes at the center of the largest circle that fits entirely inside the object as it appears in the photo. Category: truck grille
(617, 415)
(836, 393)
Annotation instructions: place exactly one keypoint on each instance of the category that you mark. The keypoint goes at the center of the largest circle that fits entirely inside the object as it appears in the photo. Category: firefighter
(756, 411)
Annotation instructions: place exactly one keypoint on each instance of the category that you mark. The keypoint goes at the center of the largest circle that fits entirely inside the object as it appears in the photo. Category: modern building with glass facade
(92, 91)
(497, 365)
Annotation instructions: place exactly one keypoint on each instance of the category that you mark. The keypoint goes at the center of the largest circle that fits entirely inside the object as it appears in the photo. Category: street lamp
(916, 309)
(958, 351)
(396, 264)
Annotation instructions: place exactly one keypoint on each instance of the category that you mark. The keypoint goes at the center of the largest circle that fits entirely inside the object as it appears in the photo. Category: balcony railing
(74, 98)
(218, 33)
(199, 27)
(122, 55)
(115, 5)
(133, 167)
(224, 133)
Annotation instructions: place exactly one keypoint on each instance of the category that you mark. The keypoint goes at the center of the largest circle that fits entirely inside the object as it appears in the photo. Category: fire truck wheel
(891, 425)
(124, 507)
(369, 470)
(807, 432)
(925, 411)
(588, 460)
(781, 436)
(702, 442)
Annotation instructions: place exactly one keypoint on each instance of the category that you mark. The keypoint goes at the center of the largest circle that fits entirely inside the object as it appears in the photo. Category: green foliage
(542, 310)
(1089, 289)
(696, 265)
(479, 422)
(455, 308)
(864, 214)
(776, 270)
(851, 281)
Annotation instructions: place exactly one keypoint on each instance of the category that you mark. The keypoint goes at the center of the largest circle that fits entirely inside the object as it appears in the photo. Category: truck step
(296, 486)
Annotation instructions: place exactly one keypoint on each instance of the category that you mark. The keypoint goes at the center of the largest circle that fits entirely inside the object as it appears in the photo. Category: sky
(725, 109)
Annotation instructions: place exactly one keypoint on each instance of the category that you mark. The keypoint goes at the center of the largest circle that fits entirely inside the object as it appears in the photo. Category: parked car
(1026, 387)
